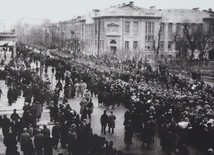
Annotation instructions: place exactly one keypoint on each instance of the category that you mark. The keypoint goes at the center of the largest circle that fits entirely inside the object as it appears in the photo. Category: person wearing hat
(82, 87)
(48, 144)
(104, 121)
(24, 139)
(10, 142)
(46, 131)
(14, 116)
(129, 131)
(111, 123)
(5, 124)
(210, 151)
(72, 140)
(39, 142)
(56, 134)
(87, 95)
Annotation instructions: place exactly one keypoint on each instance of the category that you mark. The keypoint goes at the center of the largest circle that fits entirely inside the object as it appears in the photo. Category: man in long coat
(56, 131)
(111, 123)
(5, 125)
(39, 142)
(104, 121)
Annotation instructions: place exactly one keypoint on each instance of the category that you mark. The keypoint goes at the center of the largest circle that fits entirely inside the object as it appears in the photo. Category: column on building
(141, 43)
(166, 52)
(173, 31)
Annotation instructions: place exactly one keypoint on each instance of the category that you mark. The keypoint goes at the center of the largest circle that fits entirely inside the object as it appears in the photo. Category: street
(117, 137)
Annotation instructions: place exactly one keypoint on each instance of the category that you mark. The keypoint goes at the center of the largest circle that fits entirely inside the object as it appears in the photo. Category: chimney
(210, 9)
(196, 9)
(131, 3)
(96, 10)
(152, 7)
(123, 4)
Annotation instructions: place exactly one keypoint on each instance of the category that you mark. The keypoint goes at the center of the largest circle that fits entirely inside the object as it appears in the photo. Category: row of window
(149, 27)
(135, 27)
(135, 45)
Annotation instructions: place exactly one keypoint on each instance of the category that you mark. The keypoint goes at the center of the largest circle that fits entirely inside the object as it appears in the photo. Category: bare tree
(196, 37)
(181, 46)
(193, 37)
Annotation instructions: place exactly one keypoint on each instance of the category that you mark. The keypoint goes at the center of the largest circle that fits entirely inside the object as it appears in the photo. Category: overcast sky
(58, 10)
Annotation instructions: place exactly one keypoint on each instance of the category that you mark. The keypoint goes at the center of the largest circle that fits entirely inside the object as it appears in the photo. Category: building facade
(128, 31)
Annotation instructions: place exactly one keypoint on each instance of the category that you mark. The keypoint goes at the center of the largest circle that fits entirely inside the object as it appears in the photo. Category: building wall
(104, 31)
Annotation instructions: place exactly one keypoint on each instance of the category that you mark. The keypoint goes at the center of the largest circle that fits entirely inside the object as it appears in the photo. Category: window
(135, 28)
(178, 28)
(162, 28)
(102, 26)
(113, 42)
(135, 45)
(149, 38)
(170, 28)
(211, 29)
(161, 45)
(127, 27)
(170, 45)
(149, 27)
(126, 44)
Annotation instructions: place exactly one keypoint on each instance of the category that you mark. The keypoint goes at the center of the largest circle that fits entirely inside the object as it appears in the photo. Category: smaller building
(8, 42)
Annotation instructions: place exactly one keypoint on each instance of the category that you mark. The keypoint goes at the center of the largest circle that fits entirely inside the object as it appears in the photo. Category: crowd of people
(180, 111)
(73, 132)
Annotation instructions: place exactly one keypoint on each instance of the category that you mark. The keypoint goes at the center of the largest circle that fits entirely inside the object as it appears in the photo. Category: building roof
(183, 15)
(128, 10)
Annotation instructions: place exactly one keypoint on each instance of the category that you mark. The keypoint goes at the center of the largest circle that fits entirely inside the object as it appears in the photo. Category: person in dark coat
(89, 108)
(13, 151)
(48, 145)
(56, 131)
(5, 125)
(64, 134)
(147, 135)
(39, 142)
(72, 142)
(128, 134)
(111, 122)
(10, 96)
(170, 142)
(0, 121)
(45, 131)
(104, 122)
(10, 142)
(24, 139)
(14, 116)
(29, 150)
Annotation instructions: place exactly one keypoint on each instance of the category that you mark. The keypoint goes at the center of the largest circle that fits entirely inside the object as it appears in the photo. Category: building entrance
(113, 50)
(113, 47)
